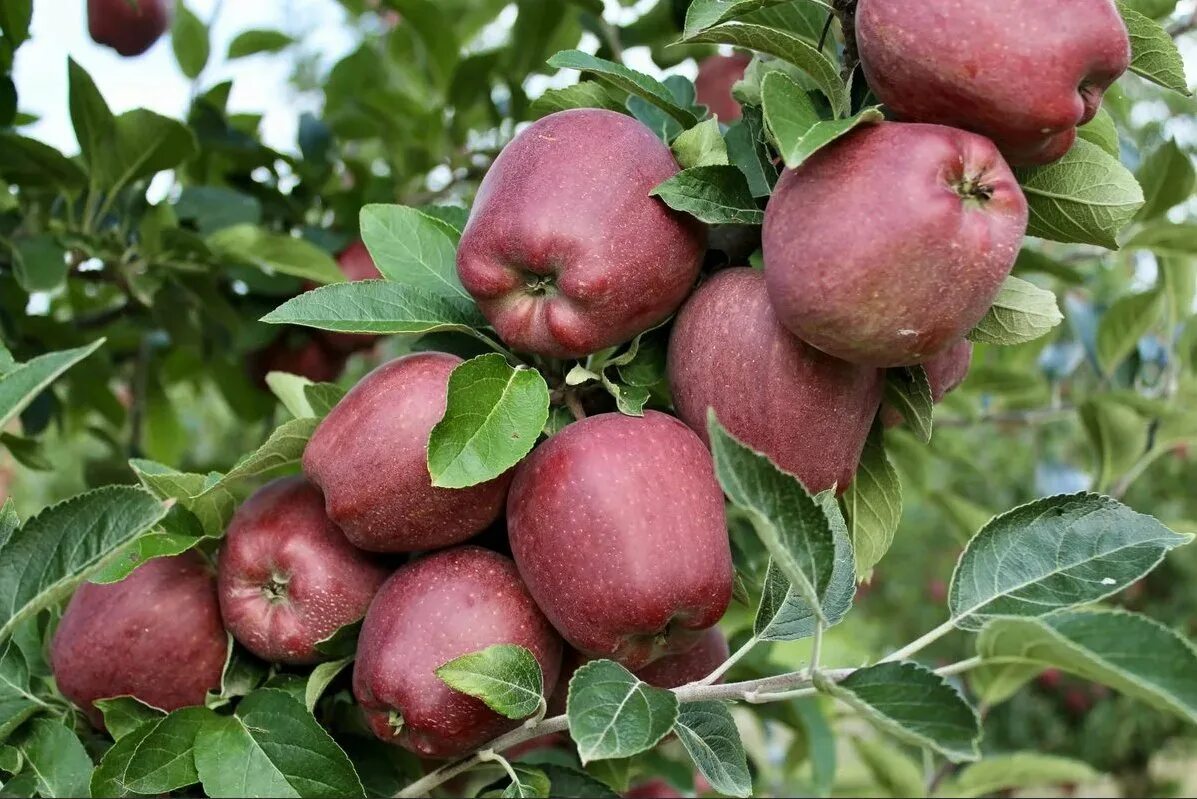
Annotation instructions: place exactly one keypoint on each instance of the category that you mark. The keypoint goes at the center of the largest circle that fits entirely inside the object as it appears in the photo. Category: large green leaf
(29, 162)
(274, 252)
(56, 756)
(494, 413)
(873, 505)
(709, 734)
(377, 306)
(703, 14)
(612, 714)
(628, 80)
(504, 676)
(411, 247)
(1126, 321)
(189, 37)
(1167, 178)
(1018, 771)
(717, 195)
(435, 30)
(156, 757)
(1021, 312)
(1054, 553)
(1166, 238)
(1154, 54)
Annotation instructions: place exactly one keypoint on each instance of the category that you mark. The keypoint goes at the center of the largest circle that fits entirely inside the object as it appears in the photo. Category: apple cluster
(882, 250)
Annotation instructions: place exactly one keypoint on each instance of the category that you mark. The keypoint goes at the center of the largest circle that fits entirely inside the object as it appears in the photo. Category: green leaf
(252, 42)
(797, 142)
(788, 520)
(95, 127)
(272, 747)
(411, 247)
(1101, 131)
(709, 734)
(146, 547)
(908, 392)
(873, 505)
(1021, 312)
(1132, 654)
(189, 37)
(39, 263)
(1054, 553)
(11, 759)
(1119, 436)
(782, 614)
(154, 758)
(567, 781)
(435, 30)
(275, 253)
(1086, 197)
(529, 782)
(914, 704)
(319, 680)
(291, 391)
(214, 208)
(17, 700)
(504, 676)
(612, 714)
(629, 400)
(493, 415)
(1154, 54)
(342, 643)
(1165, 238)
(15, 16)
(584, 94)
(284, 447)
(211, 503)
(746, 149)
(124, 714)
(1121, 327)
(1018, 771)
(789, 48)
(703, 14)
(1167, 178)
(717, 195)
(54, 753)
(377, 306)
(893, 771)
(56, 550)
(323, 397)
(29, 162)
(701, 145)
(145, 144)
(627, 80)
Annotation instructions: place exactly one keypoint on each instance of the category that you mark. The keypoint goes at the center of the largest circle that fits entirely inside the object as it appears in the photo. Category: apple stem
(575, 405)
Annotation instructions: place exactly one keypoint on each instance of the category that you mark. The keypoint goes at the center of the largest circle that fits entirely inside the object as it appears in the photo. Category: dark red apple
(809, 412)
(287, 576)
(618, 528)
(369, 458)
(429, 612)
(355, 262)
(674, 671)
(155, 636)
(128, 26)
(945, 373)
(309, 358)
(1025, 73)
(717, 75)
(889, 245)
(565, 251)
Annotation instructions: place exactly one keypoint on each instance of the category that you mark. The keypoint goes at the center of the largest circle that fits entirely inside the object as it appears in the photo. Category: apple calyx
(275, 589)
(395, 722)
(973, 188)
(540, 285)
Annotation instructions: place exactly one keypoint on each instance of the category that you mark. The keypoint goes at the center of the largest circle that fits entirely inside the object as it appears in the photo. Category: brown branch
(846, 10)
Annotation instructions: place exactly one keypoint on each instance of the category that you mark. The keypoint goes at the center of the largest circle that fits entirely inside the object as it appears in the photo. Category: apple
(617, 526)
(717, 75)
(565, 251)
(126, 26)
(287, 576)
(809, 412)
(356, 264)
(369, 458)
(655, 788)
(1025, 73)
(945, 373)
(890, 244)
(155, 636)
(674, 671)
(307, 358)
(429, 612)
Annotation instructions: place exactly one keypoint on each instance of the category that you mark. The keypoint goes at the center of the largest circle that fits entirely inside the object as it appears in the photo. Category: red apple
(431, 611)
(889, 245)
(618, 528)
(809, 412)
(128, 26)
(287, 576)
(565, 251)
(369, 458)
(655, 788)
(717, 75)
(674, 671)
(1025, 73)
(155, 636)
(310, 359)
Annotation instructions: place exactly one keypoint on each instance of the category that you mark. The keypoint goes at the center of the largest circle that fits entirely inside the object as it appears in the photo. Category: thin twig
(575, 405)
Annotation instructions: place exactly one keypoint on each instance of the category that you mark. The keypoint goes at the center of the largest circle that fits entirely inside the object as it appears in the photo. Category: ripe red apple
(429, 612)
(1025, 73)
(309, 358)
(369, 458)
(565, 251)
(618, 528)
(809, 412)
(945, 372)
(126, 26)
(674, 671)
(355, 262)
(889, 245)
(287, 576)
(155, 636)
(717, 75)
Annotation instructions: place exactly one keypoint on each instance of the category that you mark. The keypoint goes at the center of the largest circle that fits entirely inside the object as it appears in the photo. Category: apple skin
(310, 359)
(809, 412)
(370, 459)
(357, 264)
(565, 251)
(674, 671)
(717, 75)
(1010, 71)
(889, 245)
(429, 612)
(617, 525)
(155, 636)
(945, 372)
(129, 31)
(287, 577)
